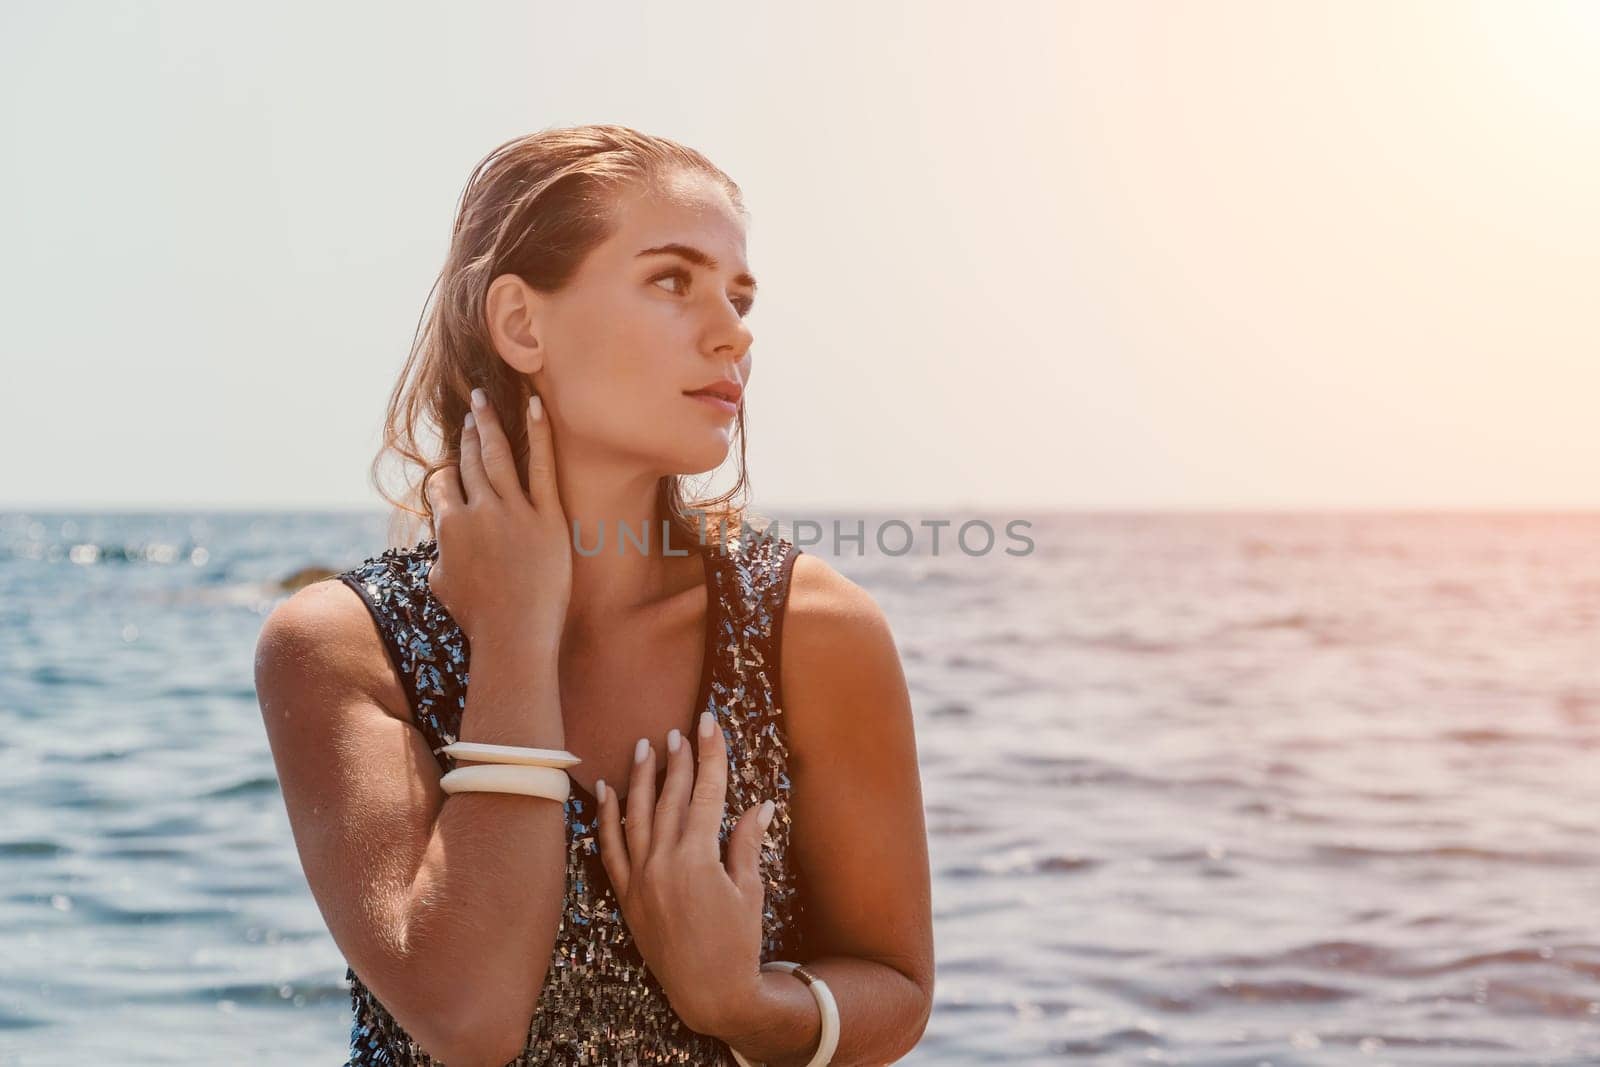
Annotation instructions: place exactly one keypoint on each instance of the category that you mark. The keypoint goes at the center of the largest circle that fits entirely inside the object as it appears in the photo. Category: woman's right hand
(504, 570)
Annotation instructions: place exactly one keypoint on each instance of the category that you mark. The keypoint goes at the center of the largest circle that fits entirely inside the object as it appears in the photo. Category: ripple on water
(32, 849)
(262, 784)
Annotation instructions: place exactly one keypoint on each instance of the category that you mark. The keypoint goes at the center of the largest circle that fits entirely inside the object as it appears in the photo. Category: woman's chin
(702, 457)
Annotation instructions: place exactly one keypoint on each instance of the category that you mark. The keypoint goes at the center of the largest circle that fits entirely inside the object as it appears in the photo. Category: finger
(499, 466)
(674, 791)
(641, 800)
(443, 489)
(710, 798)
(744, 848)
(473, 479)
(613, 850)
(541, 458)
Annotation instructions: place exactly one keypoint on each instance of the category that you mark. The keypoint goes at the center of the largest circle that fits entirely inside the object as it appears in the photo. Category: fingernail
(640, 749)
(479, 398)
(673, 739)
(600, 790)
(469, 422)
(708, 723)
(764, 816)
(535, 408)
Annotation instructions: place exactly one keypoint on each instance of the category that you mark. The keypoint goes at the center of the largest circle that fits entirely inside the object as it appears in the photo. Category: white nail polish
(640, 749)
(708, 723)
(674, 739)
(600, 790)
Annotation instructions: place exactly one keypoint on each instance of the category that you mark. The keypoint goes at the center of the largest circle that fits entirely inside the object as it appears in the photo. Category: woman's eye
(681, 275)
(742, 303)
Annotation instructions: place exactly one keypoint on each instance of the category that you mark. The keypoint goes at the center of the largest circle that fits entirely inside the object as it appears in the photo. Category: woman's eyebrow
(697, 257)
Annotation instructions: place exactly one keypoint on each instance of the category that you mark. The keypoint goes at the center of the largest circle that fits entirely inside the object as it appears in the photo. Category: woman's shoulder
(843, 682)
(808, 592)
(828, 612)
(326, 608)
(326, 630)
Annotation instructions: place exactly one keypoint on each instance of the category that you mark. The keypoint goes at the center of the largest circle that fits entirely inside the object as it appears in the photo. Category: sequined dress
(600, 1003)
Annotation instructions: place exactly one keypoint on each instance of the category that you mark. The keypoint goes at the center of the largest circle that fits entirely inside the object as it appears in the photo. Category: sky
(1045, 255)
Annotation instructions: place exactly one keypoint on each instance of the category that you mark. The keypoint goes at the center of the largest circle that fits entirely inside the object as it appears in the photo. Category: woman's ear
(510, 310)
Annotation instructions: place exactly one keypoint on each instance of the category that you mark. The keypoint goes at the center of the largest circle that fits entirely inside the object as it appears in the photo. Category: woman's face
(636, 331)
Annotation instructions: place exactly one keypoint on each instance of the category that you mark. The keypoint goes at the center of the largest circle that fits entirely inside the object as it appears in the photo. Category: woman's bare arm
(445, 905)
(858, 833)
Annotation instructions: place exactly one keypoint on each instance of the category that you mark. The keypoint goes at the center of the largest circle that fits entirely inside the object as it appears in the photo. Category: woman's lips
(727, 407)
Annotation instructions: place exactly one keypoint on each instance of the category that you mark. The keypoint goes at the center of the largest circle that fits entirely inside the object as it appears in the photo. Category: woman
(595, 290)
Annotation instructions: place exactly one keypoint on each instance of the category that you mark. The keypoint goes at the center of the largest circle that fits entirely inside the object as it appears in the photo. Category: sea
(1233, 789)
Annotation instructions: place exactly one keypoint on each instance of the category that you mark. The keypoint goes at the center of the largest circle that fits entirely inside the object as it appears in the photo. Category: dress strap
(375, 588)
(425, 647)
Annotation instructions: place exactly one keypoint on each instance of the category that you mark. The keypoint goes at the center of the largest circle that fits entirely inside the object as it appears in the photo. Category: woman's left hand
(696, 923)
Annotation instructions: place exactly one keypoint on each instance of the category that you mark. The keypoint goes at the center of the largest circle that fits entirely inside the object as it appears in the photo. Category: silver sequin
(600, 1003)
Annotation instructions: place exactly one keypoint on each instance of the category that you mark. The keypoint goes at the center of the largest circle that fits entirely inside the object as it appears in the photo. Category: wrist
(746, 1012)
(525, 643)
(776, 1023)
(512, 700)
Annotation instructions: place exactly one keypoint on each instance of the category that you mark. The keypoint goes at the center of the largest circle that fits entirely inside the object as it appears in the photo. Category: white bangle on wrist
(533, 772)
(829, 1008)
(517, 755)
(549, 782)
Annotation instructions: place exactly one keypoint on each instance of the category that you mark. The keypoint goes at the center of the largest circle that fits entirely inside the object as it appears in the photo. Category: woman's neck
(618, 558)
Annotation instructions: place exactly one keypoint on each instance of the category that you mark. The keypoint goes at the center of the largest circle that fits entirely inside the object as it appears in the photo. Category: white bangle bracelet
(825, 1003)
(512, 754)
(549, 782)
